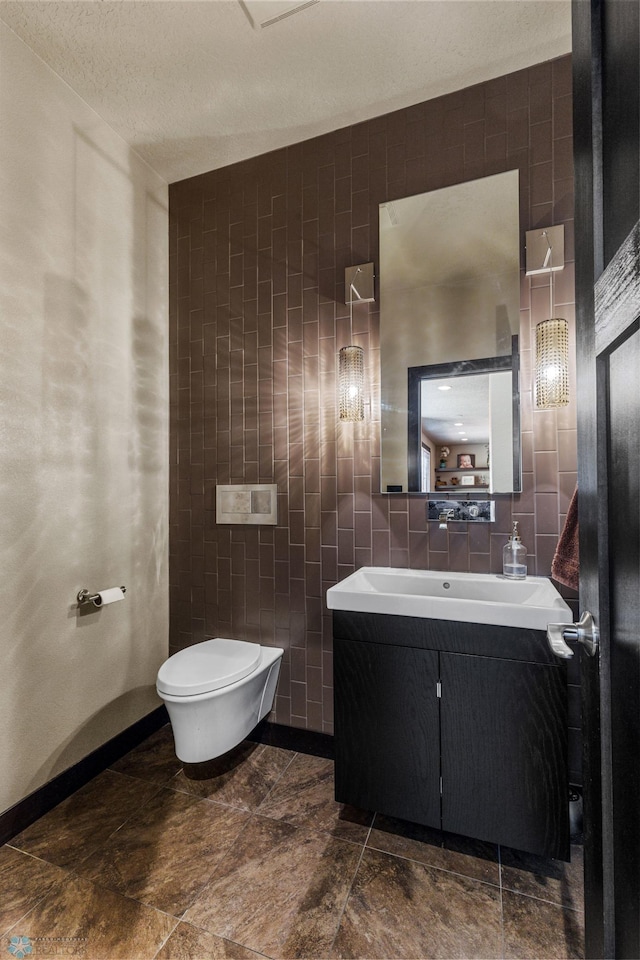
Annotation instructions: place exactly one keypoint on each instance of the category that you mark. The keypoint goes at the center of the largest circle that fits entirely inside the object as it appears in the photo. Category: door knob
(584, 631)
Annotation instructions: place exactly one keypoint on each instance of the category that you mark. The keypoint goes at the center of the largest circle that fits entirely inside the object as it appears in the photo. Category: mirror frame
(462, 368)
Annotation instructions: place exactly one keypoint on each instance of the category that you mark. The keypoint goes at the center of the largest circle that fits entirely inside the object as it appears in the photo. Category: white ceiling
(467, 403)
(194, 85)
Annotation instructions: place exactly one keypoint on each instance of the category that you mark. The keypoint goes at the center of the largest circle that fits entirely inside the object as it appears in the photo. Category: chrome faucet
(444, 518)
(460, 511)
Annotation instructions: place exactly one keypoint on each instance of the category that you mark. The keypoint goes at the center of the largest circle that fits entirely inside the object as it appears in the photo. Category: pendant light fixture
(359, 286)
(551, 338)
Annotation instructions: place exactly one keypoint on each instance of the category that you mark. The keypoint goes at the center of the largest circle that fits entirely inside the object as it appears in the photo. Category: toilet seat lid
(207, 666)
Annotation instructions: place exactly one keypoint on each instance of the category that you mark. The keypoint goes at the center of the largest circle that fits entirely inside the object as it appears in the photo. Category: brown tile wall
(258, 252)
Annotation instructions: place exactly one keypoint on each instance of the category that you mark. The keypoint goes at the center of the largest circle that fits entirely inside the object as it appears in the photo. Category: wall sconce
(351, 383)
(552, 364)
(545, 254)
(358, 284)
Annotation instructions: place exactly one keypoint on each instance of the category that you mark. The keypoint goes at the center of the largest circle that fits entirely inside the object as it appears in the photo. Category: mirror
(449, 309)
(464, 425)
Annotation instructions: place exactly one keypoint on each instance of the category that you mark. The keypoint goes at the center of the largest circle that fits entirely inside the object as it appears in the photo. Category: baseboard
(23, 813)
(45, 798)
(294, 738)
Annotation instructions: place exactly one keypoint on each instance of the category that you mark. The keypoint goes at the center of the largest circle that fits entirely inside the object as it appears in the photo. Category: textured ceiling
(193, 86)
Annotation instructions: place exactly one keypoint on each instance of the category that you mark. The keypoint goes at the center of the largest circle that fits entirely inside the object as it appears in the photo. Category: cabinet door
(504, 753)
(387, 729)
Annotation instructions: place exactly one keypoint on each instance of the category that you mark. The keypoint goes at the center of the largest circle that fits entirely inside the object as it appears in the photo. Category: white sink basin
(441, 595)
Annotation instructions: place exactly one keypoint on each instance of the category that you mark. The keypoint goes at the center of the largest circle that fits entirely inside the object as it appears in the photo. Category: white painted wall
(83, 428)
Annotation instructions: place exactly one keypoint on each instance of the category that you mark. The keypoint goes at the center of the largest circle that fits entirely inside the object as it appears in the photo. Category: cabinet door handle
(584, 631)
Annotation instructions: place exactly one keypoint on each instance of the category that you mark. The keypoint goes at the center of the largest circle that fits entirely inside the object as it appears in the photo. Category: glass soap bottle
(514, 556)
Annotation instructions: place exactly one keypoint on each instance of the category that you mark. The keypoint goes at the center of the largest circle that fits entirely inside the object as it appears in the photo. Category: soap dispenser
(514, 556)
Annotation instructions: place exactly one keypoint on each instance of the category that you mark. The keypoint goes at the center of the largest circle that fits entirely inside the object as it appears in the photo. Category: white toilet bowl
(216, 692)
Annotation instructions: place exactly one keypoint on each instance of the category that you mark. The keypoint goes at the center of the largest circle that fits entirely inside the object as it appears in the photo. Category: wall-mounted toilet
(216, 692)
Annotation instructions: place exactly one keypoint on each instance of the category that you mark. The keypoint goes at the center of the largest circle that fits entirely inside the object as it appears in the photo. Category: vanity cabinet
(387, 757)
(453, 725)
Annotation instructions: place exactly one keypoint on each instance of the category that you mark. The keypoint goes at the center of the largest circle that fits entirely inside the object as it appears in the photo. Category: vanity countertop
(531, 603)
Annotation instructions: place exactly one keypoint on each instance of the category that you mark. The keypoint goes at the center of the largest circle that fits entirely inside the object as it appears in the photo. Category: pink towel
(565, 567)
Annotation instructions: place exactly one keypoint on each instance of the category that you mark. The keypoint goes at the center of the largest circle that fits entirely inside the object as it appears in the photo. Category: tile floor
(249, 856)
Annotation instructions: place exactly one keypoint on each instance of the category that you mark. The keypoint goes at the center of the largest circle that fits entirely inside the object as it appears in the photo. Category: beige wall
(83, 400)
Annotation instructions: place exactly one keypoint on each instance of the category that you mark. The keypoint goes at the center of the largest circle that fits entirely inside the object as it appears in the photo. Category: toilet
(216, 692)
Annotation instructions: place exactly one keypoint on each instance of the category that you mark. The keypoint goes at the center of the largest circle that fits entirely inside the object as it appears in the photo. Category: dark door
(606, 143)
(387, 738)
(504, 752)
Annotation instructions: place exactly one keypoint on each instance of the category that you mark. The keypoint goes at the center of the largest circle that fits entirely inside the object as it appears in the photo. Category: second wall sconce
(545, 254)
(359, 288)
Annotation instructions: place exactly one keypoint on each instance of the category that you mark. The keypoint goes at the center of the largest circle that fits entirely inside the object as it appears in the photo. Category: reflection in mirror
(449, 294)
(464, 430)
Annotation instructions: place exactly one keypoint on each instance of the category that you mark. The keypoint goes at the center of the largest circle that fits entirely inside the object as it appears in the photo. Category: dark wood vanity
(458, 726)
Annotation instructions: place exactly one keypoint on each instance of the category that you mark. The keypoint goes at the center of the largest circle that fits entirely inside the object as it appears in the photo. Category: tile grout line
(72, 872)
(73, 869)
(164, 942)
(209, 878)
(152, 796)
(251, 815)
(552, 903)
(73, 875)
(432, 866)
(353, 880)
(276, 782)
(218, 936)
(39, 897)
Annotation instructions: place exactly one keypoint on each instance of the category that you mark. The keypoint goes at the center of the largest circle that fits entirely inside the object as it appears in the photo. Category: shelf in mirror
(458, 487)
(463, 470)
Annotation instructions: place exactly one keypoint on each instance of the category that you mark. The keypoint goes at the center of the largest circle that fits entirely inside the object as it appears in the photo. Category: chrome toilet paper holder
(84, 596)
